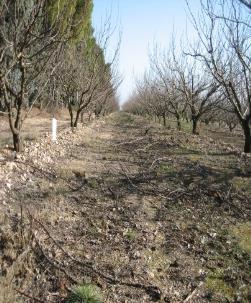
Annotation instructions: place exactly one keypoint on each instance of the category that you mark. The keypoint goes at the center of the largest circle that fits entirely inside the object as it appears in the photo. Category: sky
(143, 23)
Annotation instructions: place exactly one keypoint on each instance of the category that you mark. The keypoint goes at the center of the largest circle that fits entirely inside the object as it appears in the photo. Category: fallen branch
(22, 293)
(192, 294)
(57, 266)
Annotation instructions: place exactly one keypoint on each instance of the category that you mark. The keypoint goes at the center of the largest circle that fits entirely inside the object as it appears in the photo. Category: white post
(54, 130)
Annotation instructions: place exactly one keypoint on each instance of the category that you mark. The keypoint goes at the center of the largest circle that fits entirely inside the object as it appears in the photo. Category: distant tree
(165, 85)
(86, 81)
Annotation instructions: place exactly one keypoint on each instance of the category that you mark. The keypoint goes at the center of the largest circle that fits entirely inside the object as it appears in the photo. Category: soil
(145, 213)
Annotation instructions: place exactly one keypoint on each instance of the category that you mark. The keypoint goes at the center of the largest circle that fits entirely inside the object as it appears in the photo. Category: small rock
(174, 264)
(137, 255)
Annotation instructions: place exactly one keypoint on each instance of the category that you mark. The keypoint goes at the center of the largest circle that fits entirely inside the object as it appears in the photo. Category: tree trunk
(17, 142)
(195, 125)
(178, 123)
(71, 114)
(76, 119)
(164, 119)
(247, 134)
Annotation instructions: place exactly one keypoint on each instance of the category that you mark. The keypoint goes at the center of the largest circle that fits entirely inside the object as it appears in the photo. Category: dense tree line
(49, 56)
(209, 80)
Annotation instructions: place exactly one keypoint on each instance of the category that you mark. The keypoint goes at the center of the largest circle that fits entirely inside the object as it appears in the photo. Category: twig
(158, 160)
(57, 266)
(29, 296)
(193, 293)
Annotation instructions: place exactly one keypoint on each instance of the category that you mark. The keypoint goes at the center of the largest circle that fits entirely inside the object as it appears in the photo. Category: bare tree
(28, 42)
(162, 68)
(247, 3)
(224, 33)
(197, 88)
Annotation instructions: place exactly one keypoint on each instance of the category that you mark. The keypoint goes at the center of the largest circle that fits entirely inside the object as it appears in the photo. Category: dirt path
(146, 214)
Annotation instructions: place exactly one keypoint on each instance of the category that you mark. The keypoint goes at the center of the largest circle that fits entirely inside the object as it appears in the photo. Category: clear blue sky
(143, 23)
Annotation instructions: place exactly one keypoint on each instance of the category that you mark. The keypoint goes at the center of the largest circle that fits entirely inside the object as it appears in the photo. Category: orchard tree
(28, 43)
(33, 33)
(198, 90)
(225, 37)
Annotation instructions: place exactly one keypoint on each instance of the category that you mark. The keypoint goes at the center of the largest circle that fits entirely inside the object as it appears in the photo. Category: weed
(92, 231)
(130, 234)
(85, 294)
(93, 183)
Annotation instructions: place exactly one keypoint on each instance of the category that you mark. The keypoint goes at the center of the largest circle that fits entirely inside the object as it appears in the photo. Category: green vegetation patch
(215, 282)
(86, 293)
(131, 234)
(227, 280)
(242, 184)
(218, 283)
(243, 233)
(75, 15)
(5, 141)
(167, 169)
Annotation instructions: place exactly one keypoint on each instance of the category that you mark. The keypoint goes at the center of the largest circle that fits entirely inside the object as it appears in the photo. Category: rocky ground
(144, 213)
